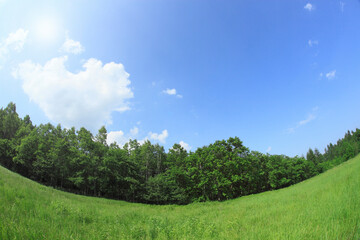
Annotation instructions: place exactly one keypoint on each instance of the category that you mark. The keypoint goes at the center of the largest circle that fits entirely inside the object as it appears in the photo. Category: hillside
(324, 207)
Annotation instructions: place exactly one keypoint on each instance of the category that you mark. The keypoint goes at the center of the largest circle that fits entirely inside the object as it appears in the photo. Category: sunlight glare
(47, 30)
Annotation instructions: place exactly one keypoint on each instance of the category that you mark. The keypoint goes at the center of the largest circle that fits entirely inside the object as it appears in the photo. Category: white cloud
(307, 120)
(331, 75)
(290, 130)
(120, 137)
(159, 137)
(310, 118)
(309, 7)
(142, 141)
(123, 109)
(185, 145)
(313, 42)
(86, 98)
(172, 92)
(116, 136)
(14, 42)
(134, 131)
(71, 46)
(342, 5)
(268, 149)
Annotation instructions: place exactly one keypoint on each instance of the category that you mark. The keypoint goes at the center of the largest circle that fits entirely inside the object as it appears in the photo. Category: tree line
(79, 162)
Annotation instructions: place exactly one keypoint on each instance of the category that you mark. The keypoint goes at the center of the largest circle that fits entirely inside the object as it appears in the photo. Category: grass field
(324, 207)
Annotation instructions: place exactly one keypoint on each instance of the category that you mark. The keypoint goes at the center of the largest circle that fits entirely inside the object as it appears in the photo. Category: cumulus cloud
(159, 137)
(313, 42)
(309, 7)
(72, 46)
(331, 75)
(120, 137)
(116, 137)
(86, 98)
(14, 42)
(185, 145)
(172, 92)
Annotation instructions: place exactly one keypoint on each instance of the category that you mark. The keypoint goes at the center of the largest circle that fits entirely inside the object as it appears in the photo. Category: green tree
(26, 154)
(10, 121)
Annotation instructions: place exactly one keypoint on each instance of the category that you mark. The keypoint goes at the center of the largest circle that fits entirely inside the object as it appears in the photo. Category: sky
(281, 75)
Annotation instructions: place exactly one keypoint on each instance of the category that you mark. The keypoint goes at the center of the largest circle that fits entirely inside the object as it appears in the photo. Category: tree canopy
(76, 161)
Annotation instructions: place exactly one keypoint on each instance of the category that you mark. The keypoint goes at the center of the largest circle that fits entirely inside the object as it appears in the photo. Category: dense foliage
(77, 161)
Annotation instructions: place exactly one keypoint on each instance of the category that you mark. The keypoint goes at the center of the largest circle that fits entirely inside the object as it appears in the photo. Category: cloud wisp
(331, 75)
(342, 5)
(312, 43)
(309, 7)
(307, 120)
(311, 116)
(172, 92)
(268, 149)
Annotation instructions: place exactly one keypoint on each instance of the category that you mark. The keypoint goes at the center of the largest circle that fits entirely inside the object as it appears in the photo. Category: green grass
(324, 207)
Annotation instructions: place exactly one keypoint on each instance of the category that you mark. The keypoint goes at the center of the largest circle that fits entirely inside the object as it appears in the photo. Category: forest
(79, 162)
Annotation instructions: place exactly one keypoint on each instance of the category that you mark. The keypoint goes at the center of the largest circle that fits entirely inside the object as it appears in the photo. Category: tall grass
(324, 207)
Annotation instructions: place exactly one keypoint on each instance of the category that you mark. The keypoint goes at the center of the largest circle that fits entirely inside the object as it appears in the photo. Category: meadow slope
(324, 207)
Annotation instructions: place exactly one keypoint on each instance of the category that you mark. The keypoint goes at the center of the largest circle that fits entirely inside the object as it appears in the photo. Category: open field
(324, 207)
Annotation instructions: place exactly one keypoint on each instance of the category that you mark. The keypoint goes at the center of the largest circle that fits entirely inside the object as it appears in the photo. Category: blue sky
(281, 75)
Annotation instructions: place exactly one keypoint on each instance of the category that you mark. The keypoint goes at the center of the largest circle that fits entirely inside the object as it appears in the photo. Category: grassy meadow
(324, 207)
